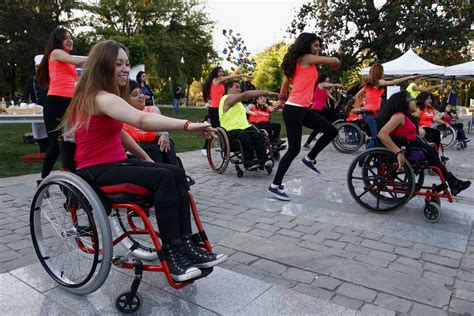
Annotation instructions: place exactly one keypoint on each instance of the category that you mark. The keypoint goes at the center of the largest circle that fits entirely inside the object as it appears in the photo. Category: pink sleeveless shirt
(61, 78)
(303, 84)
(320, 97)
(99, 143)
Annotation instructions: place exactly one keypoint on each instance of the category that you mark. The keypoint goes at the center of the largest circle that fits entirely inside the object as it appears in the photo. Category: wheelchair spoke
(367, 190)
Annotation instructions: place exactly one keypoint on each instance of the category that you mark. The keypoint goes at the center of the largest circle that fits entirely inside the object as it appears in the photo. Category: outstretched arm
(309, 59)
(327, 85)
(427, 89)
(225, 78)
(394, 82)
(239, 97)
(61, 55)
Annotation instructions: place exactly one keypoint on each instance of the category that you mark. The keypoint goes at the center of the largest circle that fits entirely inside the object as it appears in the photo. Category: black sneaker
(311, 164)
(198, 256)
(181, 268)
(279, 192)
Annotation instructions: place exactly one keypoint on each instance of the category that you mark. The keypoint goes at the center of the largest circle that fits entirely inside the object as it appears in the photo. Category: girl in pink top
(97, 112)
(57, 73)
(300, 71)
(320, 97)
(373, 91)
(213, 91)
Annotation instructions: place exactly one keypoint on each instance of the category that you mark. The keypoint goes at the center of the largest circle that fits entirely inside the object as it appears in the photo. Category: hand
(164, 142)
(254, 114)
(401, 162)
(340, 86)
(202, 129)
(422, 132)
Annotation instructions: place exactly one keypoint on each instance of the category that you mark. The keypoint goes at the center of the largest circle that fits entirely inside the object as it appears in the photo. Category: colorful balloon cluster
(237, 53)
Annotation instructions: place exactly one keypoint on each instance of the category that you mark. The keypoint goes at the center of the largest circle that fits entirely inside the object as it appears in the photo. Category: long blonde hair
(98, 76)
(375, 74)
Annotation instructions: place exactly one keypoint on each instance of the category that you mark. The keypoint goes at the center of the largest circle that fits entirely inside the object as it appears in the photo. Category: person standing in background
(33, 93)
(176, 97)
(147, 91)
(57, 72)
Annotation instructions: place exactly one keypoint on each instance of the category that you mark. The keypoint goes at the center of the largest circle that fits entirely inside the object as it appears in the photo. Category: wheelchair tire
(71, 233)
(128, 305)
(349, 138)
(218, 151)
(375, 172)
(432, 211)
(448, 135)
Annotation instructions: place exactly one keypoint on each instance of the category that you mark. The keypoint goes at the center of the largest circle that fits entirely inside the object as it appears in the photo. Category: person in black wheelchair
(233, 119)
(259, 114)
(97, 112)
(398, 129)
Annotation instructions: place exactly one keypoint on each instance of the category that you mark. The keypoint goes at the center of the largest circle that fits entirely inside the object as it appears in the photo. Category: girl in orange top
(57, 73)
(259, 114)
(373, 91)
(429, 114)
(300, 70)
(213, 91)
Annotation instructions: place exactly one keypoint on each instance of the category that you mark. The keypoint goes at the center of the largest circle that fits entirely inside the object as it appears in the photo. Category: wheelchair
(221, 151)
(449, 136)
(375, 183)
(75, 225)
(350, 135)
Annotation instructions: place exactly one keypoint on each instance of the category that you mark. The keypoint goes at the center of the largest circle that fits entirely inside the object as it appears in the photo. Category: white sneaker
(204, 152)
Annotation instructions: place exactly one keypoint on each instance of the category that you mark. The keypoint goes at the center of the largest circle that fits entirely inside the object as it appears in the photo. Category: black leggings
(433, 135)
(295, 118)
(153, 150)
(214, 118)
(328, 115)
(167, 182)
(53, 113)
(273, 129)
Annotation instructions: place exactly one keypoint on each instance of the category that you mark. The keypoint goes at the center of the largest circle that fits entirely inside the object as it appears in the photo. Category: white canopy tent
(409, 64)
(461, 71)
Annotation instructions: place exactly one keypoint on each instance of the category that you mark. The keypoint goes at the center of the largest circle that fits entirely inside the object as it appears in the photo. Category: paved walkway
(321, 253)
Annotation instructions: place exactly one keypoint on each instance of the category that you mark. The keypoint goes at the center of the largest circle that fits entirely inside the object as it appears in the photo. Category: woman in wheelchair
(398, 127)
(259, 115)
(428, 115)
(448, 117)
(156, 144)
(98, 112)
(233, 118)
(352, 112)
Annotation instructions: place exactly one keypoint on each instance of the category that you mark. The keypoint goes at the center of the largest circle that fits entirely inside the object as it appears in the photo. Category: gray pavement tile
(284, 302)
(299, 275)
(17, 298)
(347, 301)
(357, 292)
(326, 282)
(384, 280)
(464, 294)
(270, 266)
(423, 310)
(374, 310)
(444, 261)
(461, 306)
(36, 277)
(393, 303)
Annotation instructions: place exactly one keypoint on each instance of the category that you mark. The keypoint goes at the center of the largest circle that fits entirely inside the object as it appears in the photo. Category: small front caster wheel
(432, 212)
(128, 303)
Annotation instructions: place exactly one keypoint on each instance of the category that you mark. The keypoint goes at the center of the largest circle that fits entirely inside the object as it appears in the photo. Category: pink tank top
(303, 84)
(373, 98)
(320, 97)
(99, 143)
(407, 130)
(217, 92)
(61, 78)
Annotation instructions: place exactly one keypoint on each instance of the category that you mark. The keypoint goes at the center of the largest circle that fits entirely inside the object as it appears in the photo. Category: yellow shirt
(413, 93)
(235, 118)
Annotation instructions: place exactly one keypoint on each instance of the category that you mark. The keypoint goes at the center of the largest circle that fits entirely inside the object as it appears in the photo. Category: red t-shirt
(426, 117)
(262, 115)
(407, 130)
(215, 95)
(373, 98)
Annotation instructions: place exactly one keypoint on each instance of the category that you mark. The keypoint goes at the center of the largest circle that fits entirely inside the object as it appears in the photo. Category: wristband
(401, 151)
(186, 125)
(282, 97)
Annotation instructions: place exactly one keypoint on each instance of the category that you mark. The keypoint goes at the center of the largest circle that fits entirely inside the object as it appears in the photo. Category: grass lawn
(12, 147)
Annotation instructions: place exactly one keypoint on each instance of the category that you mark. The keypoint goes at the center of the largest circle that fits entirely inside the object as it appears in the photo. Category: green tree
(176, 36)
(24, 30)
(357, 31)
(268, 74)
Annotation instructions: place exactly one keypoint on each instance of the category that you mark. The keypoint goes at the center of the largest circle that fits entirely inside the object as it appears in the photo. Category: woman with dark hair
(98, 111)
(372, 88)
(213, 90)
(57, 73)
(429, 114)
(398, 123)
(259, 114)
(299, 66)
(320, 97)
(147, 91)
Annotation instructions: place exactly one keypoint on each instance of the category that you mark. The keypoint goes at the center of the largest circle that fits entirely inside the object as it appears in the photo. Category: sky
(260, 23)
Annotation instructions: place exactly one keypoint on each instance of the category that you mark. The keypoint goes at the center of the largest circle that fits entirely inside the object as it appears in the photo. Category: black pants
(53, 113)
(214, 118)
(167, 182)
(250, 139)
(273, 129)
(295, 118)
(153, 150)
(431, 155)
(433, 135)
(328, 115)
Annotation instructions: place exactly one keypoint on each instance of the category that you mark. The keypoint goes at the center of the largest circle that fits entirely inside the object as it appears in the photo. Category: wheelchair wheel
(349, 138)
(143, 248)
(128, 303)
(375, 172)
(448, 134)
(432, 211)
(71, 234)
(218, 151)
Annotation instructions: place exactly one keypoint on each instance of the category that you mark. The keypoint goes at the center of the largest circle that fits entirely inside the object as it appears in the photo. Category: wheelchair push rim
(218, 151)
(375, 183)
(70, 233)
(349, 138)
